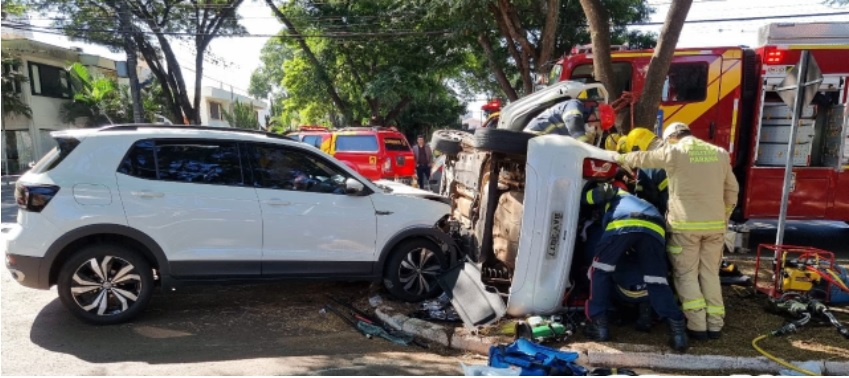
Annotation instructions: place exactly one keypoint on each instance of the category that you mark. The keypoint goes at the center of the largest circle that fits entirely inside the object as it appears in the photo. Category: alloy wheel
(418, 271)
(106, 285)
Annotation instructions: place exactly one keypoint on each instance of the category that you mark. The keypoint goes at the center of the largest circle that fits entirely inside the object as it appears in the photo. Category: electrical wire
(776, 359)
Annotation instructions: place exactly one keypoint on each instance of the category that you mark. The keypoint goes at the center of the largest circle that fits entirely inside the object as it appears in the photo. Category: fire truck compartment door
(809, 192)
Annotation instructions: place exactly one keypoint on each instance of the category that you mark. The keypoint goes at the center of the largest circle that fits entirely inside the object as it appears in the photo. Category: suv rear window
(356, 143)
(192, 161)
(64, 147)
(396, 144)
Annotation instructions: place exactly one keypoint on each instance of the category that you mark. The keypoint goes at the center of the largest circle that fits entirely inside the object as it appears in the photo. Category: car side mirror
(353, 187)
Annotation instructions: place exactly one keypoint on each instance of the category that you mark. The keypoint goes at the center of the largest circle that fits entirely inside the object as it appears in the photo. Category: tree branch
(548, 38)
(503, 82)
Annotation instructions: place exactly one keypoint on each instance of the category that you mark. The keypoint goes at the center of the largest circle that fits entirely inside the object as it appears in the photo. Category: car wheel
(412, 270)
(504, 141)
(105, 284)
(448, 142)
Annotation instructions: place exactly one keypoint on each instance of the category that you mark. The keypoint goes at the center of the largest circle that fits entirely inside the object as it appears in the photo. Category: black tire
(448, 141)
(412, 270)
(504, 141)
(111, 293)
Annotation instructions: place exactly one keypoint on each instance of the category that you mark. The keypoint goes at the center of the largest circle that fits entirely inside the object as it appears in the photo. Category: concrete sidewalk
(607, 355)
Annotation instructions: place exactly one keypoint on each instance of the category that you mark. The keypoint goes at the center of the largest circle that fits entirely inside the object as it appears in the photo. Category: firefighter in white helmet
(702, 194)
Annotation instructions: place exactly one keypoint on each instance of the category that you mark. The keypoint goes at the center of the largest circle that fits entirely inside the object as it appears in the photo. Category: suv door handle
(148, 194)
(277, 202)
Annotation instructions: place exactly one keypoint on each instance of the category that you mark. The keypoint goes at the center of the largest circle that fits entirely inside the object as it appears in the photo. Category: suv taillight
(599, 169)
(34, 197)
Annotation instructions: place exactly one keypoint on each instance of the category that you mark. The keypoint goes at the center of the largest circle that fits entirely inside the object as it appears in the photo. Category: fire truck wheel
(448, 142)
(504, 141)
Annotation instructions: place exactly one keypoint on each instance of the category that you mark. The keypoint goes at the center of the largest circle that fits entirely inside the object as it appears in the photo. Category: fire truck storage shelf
(776, 154)
(778, 131)
(777, 110)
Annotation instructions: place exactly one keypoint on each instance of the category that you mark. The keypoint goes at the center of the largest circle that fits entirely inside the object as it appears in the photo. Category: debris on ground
(439, 309)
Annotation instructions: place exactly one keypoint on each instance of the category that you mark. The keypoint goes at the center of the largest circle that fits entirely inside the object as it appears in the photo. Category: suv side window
(192, 161)
(313, 140)
(278, 167)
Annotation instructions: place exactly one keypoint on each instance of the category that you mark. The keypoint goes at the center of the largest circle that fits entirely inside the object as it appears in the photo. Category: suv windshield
(356, 143)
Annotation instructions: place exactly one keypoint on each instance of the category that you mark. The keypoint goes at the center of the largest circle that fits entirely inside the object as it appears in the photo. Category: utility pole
(132, 60)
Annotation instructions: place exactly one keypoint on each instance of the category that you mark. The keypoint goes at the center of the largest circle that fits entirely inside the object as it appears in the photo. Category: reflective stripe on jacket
(702, 187)
(625, 213)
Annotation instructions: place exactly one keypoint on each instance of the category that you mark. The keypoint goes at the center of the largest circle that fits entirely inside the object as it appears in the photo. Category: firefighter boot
(644, 321)
(598, 329)
(678, 331)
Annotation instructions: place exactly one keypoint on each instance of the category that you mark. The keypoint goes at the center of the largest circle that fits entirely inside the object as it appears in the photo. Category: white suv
(111, 213)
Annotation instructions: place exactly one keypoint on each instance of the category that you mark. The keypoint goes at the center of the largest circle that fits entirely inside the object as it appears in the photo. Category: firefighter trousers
(695, 266)
(649, 251)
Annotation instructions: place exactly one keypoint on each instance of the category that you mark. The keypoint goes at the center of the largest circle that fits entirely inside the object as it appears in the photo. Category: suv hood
(399, 189)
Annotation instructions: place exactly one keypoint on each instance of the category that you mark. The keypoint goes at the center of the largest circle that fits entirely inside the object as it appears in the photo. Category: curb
(596, 355)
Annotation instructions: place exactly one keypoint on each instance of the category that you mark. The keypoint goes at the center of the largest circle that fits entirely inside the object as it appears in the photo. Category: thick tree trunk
(524, 70)
(322, 73)
(508, 90)
(162, 76)
(649, 101)
(515, 32)
(599, 21)
(549, 35)
(132, 61)
(195, 118)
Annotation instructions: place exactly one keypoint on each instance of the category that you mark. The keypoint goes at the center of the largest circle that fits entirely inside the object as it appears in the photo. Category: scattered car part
(475, 304)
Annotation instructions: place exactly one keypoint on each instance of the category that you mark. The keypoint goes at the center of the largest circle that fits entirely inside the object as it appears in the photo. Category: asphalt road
(270, 329)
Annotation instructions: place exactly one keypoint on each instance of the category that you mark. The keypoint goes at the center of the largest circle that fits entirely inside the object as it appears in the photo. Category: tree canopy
(364, 62)
(155, 25)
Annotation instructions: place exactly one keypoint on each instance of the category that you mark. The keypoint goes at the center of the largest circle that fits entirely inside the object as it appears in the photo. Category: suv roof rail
(136, 126)
(365, 128)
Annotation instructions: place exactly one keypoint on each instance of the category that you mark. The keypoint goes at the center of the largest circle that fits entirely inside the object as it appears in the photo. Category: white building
(214, 101)
(25, 140)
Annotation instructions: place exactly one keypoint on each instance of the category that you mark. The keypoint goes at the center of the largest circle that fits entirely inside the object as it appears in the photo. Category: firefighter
(702, 195)
(629, 223)
(570, 117)
(652, 184)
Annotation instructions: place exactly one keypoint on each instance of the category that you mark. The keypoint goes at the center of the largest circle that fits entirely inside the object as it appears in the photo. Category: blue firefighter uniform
(629, 223)
(564, 118)
(628, 276)
(652, 186)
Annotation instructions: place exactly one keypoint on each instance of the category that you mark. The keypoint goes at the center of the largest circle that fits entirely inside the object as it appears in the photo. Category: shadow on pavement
(221, 323)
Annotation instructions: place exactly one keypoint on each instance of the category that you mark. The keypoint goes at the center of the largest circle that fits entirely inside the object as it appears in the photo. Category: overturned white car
(515, 199)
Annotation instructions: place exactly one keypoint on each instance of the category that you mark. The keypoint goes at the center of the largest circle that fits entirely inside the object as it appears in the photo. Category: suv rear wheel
(503, 141)
(105, 284)
(412, 270)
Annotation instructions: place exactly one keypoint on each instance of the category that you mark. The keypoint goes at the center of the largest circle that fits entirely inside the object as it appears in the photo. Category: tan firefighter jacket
(702, 188)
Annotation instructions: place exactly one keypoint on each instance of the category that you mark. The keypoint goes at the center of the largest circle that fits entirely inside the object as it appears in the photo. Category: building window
(686, 82)
(214, 110)
(49, 81)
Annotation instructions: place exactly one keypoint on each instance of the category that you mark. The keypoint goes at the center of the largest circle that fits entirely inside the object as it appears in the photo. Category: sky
(230, 61)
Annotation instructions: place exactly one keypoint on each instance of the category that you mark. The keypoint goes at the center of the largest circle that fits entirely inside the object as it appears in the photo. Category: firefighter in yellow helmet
(652, 183)
(702, 194)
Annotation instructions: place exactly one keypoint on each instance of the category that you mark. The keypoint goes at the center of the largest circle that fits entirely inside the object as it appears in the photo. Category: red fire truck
(728, 97)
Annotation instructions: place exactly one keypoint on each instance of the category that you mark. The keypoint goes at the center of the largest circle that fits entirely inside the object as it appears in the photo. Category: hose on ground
(776, 359)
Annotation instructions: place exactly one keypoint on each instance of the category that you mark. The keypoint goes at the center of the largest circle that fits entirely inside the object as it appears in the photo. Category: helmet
(641, 139)
(674, 128)
(611, 143)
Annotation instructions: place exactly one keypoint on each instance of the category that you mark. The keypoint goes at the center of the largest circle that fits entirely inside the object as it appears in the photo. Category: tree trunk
(132, 61)
(549, 35)
(649, 101)
(508, 90)
(150, 56)
(322, 73)
(195, 117)
(599, 22)
(515, 33)
(524, 70)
